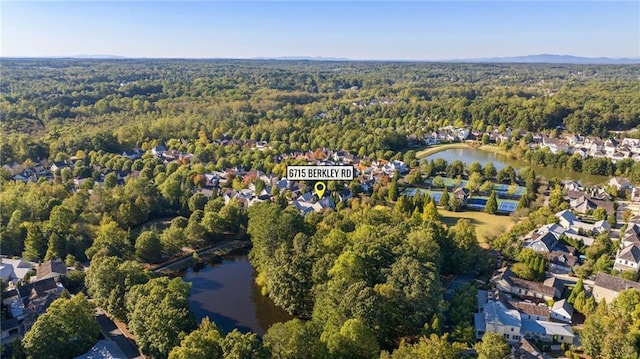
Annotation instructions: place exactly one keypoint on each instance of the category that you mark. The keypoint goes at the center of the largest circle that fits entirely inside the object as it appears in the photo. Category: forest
(348, 275)
(62, 106)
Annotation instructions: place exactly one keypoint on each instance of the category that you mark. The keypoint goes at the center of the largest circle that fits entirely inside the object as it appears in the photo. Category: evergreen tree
(430, 213)
(492, 204)
(577, 289)
(444, 199)
(523, 202)
(35, 245)
(392, 195)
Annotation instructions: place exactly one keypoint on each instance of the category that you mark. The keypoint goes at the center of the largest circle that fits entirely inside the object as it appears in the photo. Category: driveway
(111, 332)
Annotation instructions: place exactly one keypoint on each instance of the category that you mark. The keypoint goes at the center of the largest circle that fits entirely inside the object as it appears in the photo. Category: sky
(358, 30)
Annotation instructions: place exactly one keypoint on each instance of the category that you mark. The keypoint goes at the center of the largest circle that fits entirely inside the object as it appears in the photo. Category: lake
(469, 155)
(226, 292)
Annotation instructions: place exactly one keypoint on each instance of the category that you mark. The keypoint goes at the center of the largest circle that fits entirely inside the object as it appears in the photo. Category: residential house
(463, 133)
(510, 323)
(631, 235)
(58, 166)
(26, 303)
(14, 270)
(158, 151)
(524, 349)
(51, 269)
(621, 184)
(390, 168)
(103, 349)
(497, 318)
(631, 142)
(610, 146)
(587, 204)
(547, 331)
(570, 221)
(529, 310)
(583, 153)
(462, 194)
(542, 243)
(562, 311)
(507, 282)
(608, 287)
(635, 194)
(562, 261)
(618, 156)
(431, 139)
(628, 258)
(571, 185)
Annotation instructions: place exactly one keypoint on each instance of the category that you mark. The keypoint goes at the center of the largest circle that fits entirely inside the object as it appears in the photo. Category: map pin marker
(320, 187)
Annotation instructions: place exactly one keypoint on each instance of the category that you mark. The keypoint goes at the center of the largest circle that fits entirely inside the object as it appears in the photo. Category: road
(111, 332)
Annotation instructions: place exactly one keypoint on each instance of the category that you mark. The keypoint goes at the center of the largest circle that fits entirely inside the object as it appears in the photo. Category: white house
(628, 258)
(562, 311)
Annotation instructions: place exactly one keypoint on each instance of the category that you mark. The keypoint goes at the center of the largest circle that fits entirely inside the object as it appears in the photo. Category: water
(226, 292)
(469, 155)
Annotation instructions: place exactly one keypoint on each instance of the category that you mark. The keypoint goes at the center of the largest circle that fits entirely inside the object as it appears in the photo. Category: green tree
(159, 315)
(110, 241)
(492, 204)
(577, 289)
(492, 346)
(467, 247)
(202, 343)
(109, 279)
(67, 329)
(35, 245)
(236, 345)
(444, 199)
(556, 199)
(600, 214)
(148, 247)
(354, 340)
(430, 213)
(490, 170)
(392, 195)
(295, 339)
(433, 347)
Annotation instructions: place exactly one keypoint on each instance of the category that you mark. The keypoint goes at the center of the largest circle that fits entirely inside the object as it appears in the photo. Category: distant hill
(553, 59)
(101, 57)
(299, 58)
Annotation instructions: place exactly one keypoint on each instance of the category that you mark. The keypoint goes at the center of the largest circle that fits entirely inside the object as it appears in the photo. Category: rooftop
(613, 283)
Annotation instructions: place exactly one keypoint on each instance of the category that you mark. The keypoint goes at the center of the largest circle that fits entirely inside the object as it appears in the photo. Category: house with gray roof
(608, 287)
(562, 311)
(628, 258)
(51, 269)
(507, 282)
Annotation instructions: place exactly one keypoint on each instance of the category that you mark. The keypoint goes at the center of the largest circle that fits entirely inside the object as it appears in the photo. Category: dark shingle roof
(616, 284)
(39, 287)
(49, 267)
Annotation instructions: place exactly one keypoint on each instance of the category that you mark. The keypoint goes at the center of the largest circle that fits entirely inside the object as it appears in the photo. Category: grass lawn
(494, 149)
(487, 225)
(437, 148)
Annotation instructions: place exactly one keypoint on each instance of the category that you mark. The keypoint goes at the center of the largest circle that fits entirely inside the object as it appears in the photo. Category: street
(111, 332)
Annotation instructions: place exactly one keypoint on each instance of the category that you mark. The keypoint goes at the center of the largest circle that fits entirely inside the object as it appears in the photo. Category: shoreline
(439, 148)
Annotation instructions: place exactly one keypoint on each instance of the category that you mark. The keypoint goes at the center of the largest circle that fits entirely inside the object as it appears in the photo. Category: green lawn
(438, 148)
(487, 225)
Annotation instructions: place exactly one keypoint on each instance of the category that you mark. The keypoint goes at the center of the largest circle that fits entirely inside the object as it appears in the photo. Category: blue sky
(415, 30)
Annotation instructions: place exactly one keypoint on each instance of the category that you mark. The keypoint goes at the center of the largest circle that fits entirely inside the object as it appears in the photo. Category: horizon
(429, 31)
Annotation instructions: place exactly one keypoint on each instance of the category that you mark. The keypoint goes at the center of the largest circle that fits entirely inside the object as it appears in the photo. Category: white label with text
(320, 173)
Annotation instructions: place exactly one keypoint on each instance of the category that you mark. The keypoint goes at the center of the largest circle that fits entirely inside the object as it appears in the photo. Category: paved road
(111, 332)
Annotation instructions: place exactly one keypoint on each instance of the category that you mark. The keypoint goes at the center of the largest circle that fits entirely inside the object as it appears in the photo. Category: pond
(469, 155)
(226, 292)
